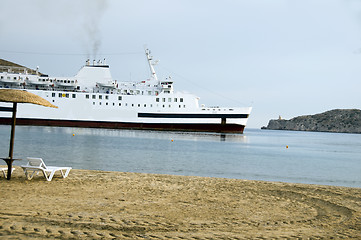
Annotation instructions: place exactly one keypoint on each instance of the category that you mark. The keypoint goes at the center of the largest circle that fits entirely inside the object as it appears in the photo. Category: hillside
(338, 120)
(15, 67)
(4, 62)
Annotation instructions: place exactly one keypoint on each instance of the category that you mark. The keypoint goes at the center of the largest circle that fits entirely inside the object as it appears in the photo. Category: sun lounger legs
(48, 174)
(4, 170)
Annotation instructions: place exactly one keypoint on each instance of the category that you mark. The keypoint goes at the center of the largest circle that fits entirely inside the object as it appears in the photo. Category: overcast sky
(281, 57)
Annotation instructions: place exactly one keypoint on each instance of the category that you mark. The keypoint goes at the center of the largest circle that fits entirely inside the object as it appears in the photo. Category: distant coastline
(337, 120)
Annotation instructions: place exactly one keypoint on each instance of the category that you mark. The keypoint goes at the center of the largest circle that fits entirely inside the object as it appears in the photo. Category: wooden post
(12, 137)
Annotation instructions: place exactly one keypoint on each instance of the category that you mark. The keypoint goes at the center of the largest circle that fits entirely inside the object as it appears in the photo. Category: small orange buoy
(73, 134)
(171, 140)
(286, 146)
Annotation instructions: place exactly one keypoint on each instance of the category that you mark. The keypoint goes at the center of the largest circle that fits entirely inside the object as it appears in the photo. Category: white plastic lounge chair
(37, 164)
(5, 170)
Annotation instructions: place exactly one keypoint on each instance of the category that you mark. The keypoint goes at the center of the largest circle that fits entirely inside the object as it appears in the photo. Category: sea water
(286, 156)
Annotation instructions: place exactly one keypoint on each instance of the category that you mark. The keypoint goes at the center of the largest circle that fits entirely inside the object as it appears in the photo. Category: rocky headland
(338, 120)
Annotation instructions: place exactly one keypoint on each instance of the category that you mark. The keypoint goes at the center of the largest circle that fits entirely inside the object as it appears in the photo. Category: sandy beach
(106, 205)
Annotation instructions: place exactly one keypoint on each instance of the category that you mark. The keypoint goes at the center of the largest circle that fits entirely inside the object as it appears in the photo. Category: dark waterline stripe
(6, 109)
(190, 115)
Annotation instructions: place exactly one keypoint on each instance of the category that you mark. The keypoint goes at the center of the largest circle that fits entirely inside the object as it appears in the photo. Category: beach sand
(106, 205)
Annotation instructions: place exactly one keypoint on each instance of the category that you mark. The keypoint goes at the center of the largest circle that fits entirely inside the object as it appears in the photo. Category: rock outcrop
(338, 120)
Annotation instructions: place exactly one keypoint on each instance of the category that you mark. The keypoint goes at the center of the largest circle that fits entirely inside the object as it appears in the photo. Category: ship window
(149, 92)
(132, 105)
(60, 95)
(179, 106)
(126, 104)
(175, 99)
(157, 99)
(53, 94)
(145, 105)
(93, 103)
(106, 103)
(151, 105)
(184, 106)
(163, 99)
(138, 105)
(169, 99)
(120, 104)
(93, 96)
(87, 96)
(120, 98)
(73, 96)
(163, 105)
(113, 104)
(100, 97)
(107, 97)
(181, 99)
(67, 95)
(100, 103)
(170, 105)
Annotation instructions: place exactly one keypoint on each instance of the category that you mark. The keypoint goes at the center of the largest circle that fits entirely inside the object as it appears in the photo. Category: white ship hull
(136, 112)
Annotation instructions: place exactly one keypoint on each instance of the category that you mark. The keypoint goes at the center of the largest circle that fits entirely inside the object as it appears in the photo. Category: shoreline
(102, 204)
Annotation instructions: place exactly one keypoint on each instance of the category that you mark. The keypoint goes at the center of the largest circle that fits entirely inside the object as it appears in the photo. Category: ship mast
(151, 64)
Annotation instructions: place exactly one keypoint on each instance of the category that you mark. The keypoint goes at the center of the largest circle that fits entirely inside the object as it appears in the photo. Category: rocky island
(338, 120)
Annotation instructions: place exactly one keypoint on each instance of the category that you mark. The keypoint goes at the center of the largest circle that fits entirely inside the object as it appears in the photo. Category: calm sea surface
(316, 158)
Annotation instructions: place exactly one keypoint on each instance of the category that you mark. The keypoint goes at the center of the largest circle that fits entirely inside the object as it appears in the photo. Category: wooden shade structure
(18, 96)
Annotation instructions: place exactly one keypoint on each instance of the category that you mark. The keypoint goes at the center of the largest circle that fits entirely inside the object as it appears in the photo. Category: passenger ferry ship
(92, 98)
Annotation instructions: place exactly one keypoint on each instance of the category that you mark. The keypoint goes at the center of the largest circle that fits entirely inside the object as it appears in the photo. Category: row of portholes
(139, 105)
